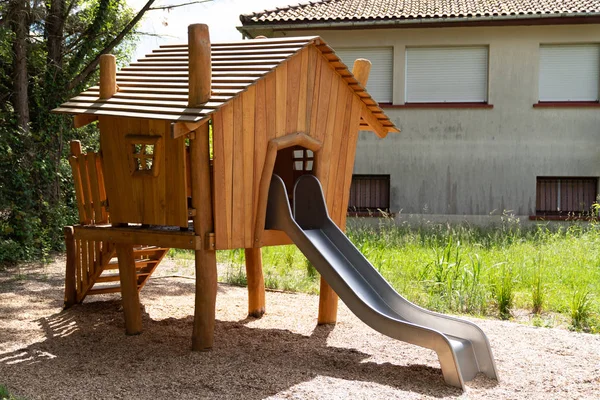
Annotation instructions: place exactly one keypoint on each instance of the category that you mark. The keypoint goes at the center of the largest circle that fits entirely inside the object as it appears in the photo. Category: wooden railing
(89, 186)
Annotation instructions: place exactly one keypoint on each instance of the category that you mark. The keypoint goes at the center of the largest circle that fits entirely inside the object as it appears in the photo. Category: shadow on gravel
(87, 355)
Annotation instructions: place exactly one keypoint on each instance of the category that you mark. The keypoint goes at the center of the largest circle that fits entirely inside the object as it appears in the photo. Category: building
(497, 101)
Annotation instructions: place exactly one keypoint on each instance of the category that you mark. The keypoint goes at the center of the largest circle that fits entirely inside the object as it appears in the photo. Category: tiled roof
(156, 86)
(356, 10)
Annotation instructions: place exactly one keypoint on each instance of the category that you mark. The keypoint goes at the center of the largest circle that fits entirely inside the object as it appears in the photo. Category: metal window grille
(565, 195)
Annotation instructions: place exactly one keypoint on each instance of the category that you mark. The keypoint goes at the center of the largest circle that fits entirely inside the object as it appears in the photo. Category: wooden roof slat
(217, 68)
(227, 52)
(144, 102)
(244, 47)
(148, 109)
(279, 57)
(147, 96)
(164, 74)
(171, 91)
(115, 113)
(151, 85)
(176, 80)
(299, 39)
(215, 63)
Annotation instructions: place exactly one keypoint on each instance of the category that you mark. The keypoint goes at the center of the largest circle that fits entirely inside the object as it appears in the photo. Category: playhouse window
(142, 154)
(303, 160)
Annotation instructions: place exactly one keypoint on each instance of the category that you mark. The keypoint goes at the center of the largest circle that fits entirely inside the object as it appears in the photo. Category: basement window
(565, 196)
(369, 195)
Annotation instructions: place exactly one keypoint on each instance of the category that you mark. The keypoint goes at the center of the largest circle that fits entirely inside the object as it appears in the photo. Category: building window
(143, 154)
(369, 194)
(569, 72)
(565, 195)
(447, 75)
(381, 78)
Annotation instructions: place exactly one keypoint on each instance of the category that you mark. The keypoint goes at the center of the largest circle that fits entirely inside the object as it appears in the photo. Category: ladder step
(115, 277)
(149, 250)
(139, 264)
(103, 290)
(106, 289)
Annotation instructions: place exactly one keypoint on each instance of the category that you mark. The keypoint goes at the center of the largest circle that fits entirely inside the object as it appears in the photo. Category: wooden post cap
(108, 76)
(361, 70)
(200, 69)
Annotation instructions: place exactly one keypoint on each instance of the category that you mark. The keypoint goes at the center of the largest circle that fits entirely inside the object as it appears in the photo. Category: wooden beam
(135, 235)
(108, 76)
(200, 69)
(256, 283)
(183, 128)
(205, 259)
(370, 119)
(70, 288)
(80, 120)
(129, 291)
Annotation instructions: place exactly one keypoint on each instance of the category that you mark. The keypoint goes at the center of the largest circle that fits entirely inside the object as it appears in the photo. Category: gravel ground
(83, 353)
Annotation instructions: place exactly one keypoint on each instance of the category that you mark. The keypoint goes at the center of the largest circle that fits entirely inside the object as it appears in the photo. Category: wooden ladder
(92, 266)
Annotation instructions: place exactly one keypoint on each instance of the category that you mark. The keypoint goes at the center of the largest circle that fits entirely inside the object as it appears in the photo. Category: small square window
(142, 154)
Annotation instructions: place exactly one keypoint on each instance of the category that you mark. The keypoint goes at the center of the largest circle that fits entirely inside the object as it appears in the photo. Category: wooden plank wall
(304, 94)
(160, 200)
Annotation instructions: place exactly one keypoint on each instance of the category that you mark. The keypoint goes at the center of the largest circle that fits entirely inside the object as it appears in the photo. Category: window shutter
(380, 80)
(569, 72)
(446, 74)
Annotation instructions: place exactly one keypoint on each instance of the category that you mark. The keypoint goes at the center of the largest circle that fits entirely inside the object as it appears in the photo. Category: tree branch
(169, 7)
(89, 69)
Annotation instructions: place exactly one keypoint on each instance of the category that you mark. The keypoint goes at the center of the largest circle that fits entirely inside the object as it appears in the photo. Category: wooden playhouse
(190, 136)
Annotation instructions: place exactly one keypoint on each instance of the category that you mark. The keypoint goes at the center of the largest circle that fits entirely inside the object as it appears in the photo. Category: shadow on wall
(85, 354)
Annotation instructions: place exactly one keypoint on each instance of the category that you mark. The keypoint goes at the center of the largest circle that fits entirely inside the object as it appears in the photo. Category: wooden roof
(156, 86)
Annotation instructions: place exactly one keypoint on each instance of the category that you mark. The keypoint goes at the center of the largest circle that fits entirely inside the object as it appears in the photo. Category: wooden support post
(70, 288)
(256, 282)
(328, 299)
(129, 291)
(200, 67)
(206, 258)
(108, 76)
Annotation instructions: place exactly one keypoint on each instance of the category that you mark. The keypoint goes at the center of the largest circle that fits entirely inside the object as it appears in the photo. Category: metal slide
(461, 346)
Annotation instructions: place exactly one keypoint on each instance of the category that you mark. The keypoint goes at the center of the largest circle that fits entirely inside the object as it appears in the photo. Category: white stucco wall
(478, 161)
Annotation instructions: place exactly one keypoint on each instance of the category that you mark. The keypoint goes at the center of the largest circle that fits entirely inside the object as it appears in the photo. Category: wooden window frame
(133, 157)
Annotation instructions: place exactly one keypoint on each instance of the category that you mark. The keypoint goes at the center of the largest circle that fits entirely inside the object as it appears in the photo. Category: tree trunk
(54, 33)
(19, 25)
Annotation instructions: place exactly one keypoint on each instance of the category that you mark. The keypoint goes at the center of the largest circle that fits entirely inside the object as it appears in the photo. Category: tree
(49, 51)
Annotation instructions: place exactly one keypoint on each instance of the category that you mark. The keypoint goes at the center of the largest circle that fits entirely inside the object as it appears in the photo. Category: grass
(5, 394)
(491, 271)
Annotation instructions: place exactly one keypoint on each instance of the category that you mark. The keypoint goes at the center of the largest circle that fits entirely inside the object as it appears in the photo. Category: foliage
(6, 395)
(36, 195)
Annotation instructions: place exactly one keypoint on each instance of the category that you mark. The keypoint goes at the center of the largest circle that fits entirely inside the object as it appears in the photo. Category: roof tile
(331, 10)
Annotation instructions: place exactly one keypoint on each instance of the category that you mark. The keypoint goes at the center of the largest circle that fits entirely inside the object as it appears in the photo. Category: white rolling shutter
(446, 74)
(380, 82)
(569, 72)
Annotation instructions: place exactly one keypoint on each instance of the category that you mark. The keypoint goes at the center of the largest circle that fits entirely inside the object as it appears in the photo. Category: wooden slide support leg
(70, 288)
(206, 299)
(328, 303)
(129, 293)
(256, 282)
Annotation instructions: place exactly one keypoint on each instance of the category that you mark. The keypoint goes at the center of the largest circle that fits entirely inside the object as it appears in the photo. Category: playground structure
(279, 109)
